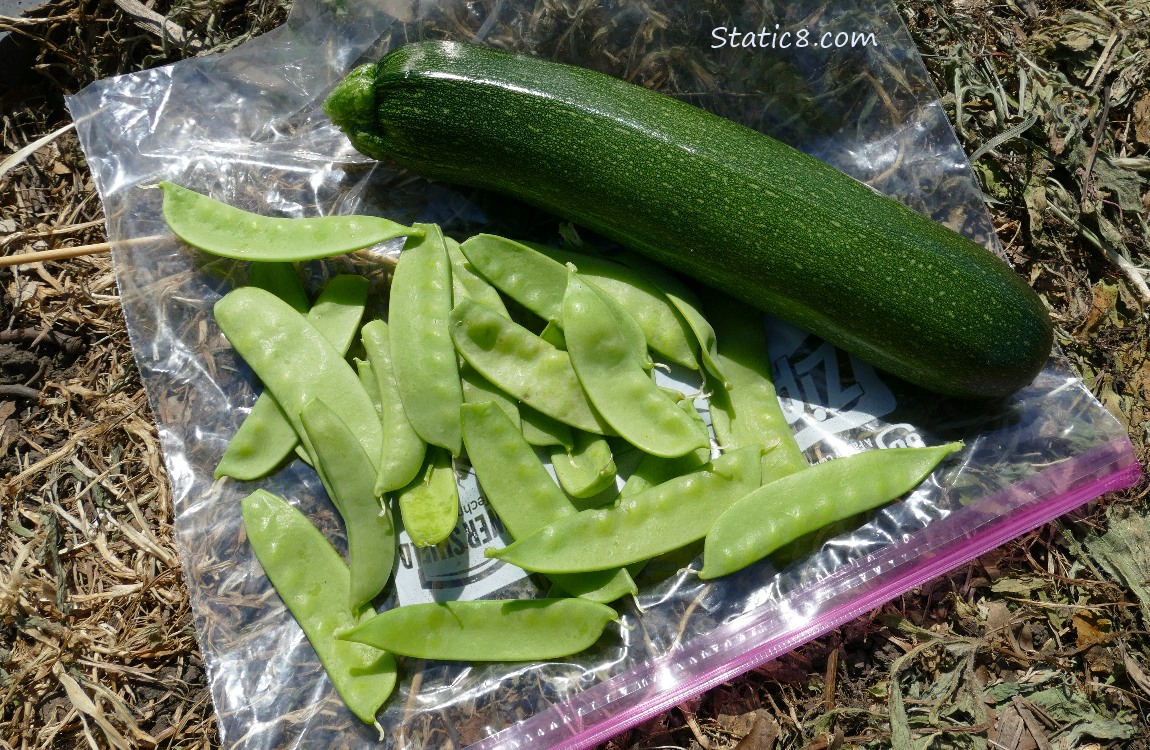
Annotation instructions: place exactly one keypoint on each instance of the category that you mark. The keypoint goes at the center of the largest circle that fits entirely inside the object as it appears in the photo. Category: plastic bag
(246, 127)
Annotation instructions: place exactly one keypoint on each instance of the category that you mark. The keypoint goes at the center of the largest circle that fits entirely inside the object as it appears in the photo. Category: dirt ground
(1044, 643)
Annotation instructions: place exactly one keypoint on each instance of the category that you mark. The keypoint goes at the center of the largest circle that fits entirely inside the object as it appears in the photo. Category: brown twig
(69, 344)
(154, 23)
(1099, 134)
(49, 232)
(19, 391)
(697, 731)
(43, 256)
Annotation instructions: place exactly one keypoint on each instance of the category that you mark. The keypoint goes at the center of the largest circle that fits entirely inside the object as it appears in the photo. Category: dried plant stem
(18, 391)
(42, 256)
(153, 22)
(49, 232)
(17, 158)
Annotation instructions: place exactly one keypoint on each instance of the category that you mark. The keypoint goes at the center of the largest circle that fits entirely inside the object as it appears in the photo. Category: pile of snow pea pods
(514, 357)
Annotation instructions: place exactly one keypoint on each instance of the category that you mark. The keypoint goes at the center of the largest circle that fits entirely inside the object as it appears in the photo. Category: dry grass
(1040, 644)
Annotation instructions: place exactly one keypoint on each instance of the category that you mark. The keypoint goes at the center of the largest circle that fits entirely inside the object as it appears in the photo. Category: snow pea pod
(227, 231)
(637, 528)
(339, 308)
(523, 494)
(315, 585)
(403, 449)
(538, 282)
(553, 335)
(545, 431)
(664, 327)
(746, 410)
(478, 389)
(526, 276)
(296, 363)
(587, 468)
(369, 382)
(423, 357)
(281, 280)
(512, 477)
(465, 282)
(266, 437)
(613, 377)
(803, 502)
(653, 470)
(522, 365)
(429, 505)
(487, 630)
(688, 305)
(348, 474)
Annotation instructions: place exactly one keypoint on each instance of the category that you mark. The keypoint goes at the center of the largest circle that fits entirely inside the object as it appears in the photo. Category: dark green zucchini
(710, 198)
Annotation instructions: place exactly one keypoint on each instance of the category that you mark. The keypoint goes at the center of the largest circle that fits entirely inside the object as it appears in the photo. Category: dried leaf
(1078, 40)
(1102, 729)
(763, 734)
(1023, 586)
(1136, 672)
(1122, 186)
(1104, 298)
(1141, 118)
(1124, 552)
(900, 736)
(1010, 731)
(1089, 627)
(1035, 199)
(84, 704)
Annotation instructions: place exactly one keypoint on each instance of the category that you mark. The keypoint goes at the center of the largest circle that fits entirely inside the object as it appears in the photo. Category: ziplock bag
(246, 127)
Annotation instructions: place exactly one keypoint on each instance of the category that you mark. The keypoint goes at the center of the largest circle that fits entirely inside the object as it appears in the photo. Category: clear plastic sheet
(246, 127)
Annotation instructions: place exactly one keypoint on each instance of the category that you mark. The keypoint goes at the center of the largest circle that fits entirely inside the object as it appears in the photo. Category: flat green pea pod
(688, 305)
(538, 283)
(803, 502)
(526, 276)
(522, 365)
(746, 410)
(348, 474)
(266, 437)
(653, 470)
(422, 355)
(524, 496)
(478, 389)
(370, 383)
(281, 280)
(637, 528)
(588, 468)
(487, 630)
(315, 586)
(297, 364)
(612, 374)
(466, 283)
(429, 505)
(403, 450)
(553, 335)
(663, 325)
(545, 431)
(227, 231)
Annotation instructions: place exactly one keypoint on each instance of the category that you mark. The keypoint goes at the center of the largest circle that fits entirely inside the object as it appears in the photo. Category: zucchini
(710, 198)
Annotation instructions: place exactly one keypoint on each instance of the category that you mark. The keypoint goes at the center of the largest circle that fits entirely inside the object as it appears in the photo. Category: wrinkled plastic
(246, 126)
